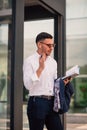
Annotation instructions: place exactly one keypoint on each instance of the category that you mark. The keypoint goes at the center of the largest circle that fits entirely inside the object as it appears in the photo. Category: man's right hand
(41, 64)
(42, 60)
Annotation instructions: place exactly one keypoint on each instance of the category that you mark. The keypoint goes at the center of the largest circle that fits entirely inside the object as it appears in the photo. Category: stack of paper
(74, 71)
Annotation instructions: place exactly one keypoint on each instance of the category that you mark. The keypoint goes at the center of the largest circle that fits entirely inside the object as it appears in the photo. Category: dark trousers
(40, 112)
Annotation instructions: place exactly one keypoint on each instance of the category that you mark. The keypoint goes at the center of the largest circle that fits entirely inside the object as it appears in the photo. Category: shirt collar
(37, 54)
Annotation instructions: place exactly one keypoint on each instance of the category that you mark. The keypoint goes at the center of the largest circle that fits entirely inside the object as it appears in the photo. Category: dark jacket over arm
(65, 95)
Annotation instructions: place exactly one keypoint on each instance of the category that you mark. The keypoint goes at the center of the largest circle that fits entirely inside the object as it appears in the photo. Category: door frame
(21, 13)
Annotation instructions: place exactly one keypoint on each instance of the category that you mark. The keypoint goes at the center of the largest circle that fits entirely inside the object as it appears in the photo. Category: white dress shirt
(43, 85)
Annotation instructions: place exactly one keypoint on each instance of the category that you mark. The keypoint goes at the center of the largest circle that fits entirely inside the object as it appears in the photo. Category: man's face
(47, 46)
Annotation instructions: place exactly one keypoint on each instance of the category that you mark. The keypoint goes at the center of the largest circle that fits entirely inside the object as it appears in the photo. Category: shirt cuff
(34, 77)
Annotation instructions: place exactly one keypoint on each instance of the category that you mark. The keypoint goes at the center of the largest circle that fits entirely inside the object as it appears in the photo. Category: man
(39, 73)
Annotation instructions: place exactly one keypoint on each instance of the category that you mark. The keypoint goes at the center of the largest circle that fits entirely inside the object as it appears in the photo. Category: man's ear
(39, 45)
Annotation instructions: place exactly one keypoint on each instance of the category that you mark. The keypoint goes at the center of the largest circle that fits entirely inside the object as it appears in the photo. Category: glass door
(76, 45)
(4, 78)
(5, 54)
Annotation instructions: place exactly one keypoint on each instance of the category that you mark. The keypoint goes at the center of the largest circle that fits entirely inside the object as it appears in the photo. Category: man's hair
(43, 36)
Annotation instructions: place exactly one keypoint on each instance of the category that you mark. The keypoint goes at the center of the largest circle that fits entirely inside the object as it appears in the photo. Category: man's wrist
(39, 71)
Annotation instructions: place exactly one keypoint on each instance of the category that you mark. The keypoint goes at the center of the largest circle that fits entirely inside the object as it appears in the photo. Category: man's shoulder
(30, 58)
(53, 60)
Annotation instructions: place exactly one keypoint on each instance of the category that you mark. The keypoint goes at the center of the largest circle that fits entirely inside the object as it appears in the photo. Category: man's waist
(48, 97)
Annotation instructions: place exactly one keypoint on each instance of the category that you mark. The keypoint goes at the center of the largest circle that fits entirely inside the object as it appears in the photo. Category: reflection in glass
(5, 4)
(77, 39)
(4, 105)
(76, 46)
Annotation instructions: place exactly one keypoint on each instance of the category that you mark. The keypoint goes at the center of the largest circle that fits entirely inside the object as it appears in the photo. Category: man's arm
(41, 65)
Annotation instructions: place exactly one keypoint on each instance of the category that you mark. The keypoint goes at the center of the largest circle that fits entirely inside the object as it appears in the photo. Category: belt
(44, 96)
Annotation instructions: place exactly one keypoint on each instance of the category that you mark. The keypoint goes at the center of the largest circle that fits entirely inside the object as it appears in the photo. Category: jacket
(62, 97)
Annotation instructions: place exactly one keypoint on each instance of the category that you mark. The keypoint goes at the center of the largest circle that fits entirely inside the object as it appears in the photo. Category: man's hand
(67, 80)
(42, 60)
(41, 64)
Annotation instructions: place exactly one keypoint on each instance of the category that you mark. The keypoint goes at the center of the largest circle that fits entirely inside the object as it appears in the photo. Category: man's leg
(53, 122)
(36, 112)
(36, 124)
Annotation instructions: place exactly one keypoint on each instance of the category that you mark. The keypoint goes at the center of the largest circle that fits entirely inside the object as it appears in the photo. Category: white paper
(74, 71)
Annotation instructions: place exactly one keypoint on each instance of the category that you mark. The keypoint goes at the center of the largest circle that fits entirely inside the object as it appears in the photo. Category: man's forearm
(39, 71)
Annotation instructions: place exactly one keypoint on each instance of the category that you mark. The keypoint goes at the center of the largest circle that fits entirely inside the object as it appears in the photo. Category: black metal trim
(16, 65)
(60, 50)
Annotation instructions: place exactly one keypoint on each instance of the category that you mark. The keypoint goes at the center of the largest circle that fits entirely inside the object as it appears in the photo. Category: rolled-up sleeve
(29, 76)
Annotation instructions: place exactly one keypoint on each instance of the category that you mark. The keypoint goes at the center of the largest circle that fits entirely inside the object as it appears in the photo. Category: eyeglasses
(49, 45)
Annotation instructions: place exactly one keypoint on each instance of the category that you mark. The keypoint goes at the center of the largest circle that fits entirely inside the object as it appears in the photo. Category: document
(72, 72)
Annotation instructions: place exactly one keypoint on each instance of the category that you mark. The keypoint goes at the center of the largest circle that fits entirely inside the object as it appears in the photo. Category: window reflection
(3, 61)
(5, 4)
(76, 35)
(76, 51)
(3, 76)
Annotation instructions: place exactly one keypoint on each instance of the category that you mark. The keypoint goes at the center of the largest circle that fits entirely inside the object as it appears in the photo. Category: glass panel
(31, 29)
(5, 4)
(76, 45)
(4, 78)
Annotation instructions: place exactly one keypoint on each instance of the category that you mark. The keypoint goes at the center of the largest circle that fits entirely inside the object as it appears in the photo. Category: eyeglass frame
(49, 45)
